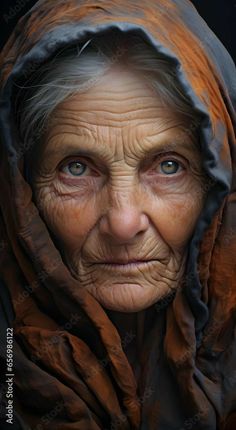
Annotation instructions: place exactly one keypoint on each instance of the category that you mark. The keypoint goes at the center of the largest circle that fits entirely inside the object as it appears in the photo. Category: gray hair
(77, 68)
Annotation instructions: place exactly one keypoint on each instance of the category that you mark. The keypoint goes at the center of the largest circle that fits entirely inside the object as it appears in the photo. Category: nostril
(123, 226)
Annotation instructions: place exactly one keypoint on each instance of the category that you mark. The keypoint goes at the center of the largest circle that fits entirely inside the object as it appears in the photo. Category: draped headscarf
(71, 370)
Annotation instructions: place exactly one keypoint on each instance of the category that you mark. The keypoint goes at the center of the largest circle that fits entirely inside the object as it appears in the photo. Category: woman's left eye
(74, 168)
(169, 167)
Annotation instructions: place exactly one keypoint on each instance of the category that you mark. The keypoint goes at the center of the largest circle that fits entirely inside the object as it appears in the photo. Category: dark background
(219, 14)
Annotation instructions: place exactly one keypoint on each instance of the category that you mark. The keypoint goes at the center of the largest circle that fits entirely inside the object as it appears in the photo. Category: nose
(123, 220)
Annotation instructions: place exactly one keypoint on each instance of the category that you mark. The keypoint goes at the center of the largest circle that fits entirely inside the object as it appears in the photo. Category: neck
(133, 329)
(126, 321)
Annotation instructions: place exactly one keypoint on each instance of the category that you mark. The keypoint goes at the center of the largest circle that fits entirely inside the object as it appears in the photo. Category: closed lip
(126, 266)
(124, 262)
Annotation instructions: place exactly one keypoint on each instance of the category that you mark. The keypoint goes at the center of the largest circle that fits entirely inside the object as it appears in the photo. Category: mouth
(127, 266)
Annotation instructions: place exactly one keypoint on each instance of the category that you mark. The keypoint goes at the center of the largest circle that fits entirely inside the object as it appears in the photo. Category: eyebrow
(165, 145)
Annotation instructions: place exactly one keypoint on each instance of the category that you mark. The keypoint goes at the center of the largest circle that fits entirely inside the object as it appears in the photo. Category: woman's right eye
(75, 168)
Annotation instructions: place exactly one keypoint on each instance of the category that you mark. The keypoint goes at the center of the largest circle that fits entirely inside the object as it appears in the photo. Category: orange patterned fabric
(69, 357)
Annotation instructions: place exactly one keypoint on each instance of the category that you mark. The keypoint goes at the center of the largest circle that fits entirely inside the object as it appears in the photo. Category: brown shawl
(70, 363)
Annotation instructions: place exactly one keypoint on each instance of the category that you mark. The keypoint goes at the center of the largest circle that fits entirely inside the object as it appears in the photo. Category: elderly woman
(117, 219)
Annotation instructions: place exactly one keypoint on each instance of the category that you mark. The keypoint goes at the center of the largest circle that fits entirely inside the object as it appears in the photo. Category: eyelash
(75, 160)
(160, 158)
(168, 157)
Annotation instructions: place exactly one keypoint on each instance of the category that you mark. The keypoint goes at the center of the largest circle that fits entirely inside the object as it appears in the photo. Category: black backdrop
(219, 14)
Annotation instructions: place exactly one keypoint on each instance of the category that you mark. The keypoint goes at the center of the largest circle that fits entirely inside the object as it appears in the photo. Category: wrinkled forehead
(120, 109)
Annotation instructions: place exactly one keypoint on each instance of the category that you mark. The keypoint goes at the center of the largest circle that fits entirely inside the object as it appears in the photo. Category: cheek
(176, 216)
(69, 221)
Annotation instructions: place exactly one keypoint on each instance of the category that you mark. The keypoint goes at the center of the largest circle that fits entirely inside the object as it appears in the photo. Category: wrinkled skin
(135, 193)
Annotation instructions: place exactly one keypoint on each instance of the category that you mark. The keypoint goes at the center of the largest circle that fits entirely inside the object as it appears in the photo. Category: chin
(129, 297)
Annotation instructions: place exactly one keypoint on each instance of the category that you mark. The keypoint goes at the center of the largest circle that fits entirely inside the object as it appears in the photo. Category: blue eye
(169, 167)
(75, 168)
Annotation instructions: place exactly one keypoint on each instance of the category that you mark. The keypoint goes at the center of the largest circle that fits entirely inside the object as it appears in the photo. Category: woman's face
(119, 183)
